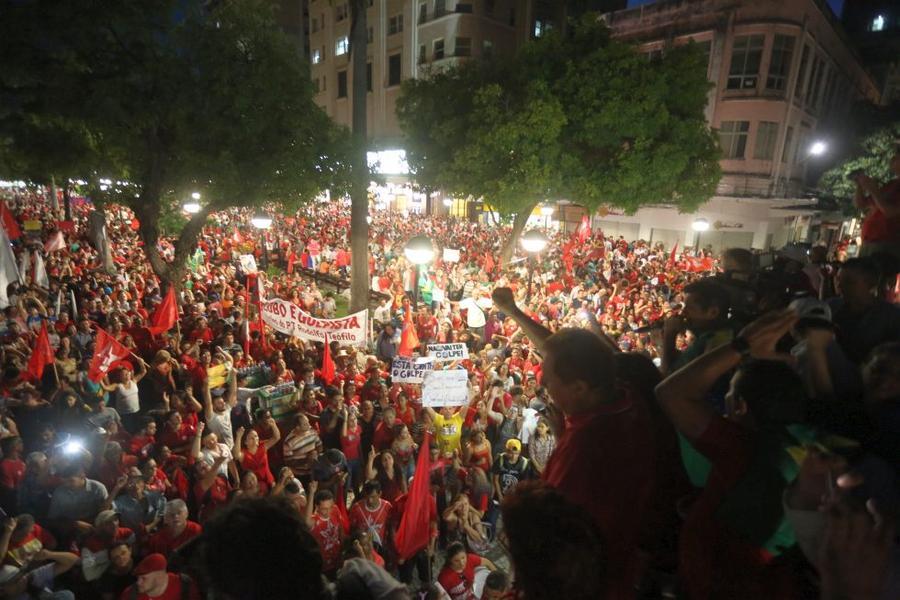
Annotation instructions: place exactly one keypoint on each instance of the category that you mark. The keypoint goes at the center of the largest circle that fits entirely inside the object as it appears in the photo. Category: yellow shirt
(447, 432)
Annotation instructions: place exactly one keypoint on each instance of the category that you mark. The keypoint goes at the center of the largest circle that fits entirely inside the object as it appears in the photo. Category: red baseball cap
(152, 563)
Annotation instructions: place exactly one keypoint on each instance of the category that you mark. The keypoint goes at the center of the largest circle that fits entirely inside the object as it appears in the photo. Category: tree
(575, 116)
(359, 194)
(169, 97)
(873, 157)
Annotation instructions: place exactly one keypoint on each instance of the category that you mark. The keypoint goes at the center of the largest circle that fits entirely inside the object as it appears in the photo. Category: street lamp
(192, 208)
(533, 242)
(195, 195)
(262, 221)
(419, 251)
(699, 225)
(818, 148)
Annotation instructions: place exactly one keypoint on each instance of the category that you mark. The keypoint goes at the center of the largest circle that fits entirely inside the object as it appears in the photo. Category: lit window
(316, 56)
(341, 46)
(878, 23)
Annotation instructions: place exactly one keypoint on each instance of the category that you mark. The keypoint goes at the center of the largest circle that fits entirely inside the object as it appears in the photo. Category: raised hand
(503, 297)
(763, 334)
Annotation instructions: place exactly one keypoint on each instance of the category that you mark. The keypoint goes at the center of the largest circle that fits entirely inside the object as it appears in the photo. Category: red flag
(584, 230)
(41, 356)
(671, 262)
(166, 314)
(107, 352)
(415, 524)
(9, 222)
(328, 370)
(341, 500)
(409, 341)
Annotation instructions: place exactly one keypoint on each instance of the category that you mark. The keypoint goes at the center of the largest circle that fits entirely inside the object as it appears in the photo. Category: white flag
(9, 273)
(40, 272)
(56, 242)
(24, 262)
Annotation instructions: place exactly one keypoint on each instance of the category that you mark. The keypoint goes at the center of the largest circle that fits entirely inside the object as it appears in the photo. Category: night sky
(836, 5)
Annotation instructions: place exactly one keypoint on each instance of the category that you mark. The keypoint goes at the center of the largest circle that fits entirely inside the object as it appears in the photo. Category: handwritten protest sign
(446, 388)
(410, 370)
(448, 351)
(288, 318)
(248, 263)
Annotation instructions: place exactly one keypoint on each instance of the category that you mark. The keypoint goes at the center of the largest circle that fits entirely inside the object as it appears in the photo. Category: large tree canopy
(168, 97)
(574, 116)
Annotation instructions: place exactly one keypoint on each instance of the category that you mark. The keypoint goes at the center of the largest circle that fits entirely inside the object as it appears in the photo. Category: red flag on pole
(41, 356)
(9, 222)
(409, 341)
(328, 370)
(671, 262)
(584, 231)
(107, 352)
(166, 314)
(341, 500)
(415, 524)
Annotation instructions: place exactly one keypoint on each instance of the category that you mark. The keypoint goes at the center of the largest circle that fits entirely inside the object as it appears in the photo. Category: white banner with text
(288, 318)
(448, 351)
(410, 370)
(446, 388)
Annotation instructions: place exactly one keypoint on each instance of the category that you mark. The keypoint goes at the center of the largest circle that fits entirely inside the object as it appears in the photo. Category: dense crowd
(641, 421)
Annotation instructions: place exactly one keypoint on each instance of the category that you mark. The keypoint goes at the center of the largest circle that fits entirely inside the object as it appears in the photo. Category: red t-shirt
(383, 437)
(164, 543)
(350, 443)
(12, 471)
(459, 585)
(876, 226)
(328, 534)
(173, 591)
(96, 544)
(604, 461)
(373, 521)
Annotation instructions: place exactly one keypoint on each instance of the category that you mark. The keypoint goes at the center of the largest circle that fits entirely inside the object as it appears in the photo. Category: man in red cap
(155, 583)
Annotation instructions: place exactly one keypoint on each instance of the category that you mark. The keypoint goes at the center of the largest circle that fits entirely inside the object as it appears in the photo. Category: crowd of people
(641, 422)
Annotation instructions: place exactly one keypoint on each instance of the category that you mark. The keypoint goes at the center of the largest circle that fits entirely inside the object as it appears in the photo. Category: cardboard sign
(288, 318)
(410, 370)
(451, 255)
(448, 351)
(248, 263)
(33, 225)
(446, 388)
(217, 376)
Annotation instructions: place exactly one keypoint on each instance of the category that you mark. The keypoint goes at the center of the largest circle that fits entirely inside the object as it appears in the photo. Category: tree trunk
(519, 222)
(97, 233)
(359, 192)
(54, 201)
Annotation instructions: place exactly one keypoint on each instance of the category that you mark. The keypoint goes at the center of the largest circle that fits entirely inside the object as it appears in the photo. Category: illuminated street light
(700, 224)
(419, 251)
(448, 202)
(546, 211)
(195, 195)
(191, 208)
(533, 242)
(818, 148)
(261, 221)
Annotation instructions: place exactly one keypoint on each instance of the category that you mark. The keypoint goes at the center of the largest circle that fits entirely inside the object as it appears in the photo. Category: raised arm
(238, 451)
(208, 412)
(311, 502)
(195, 444)
(142, 370)
(505, 301)
(276, 437)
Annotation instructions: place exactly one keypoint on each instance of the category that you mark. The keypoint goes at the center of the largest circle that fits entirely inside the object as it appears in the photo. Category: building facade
(778, 69)
(874, 26)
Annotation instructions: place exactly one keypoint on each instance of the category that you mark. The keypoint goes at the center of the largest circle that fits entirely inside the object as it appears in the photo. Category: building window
(342, 84)
(746, 55)
(463, 46)
(810, 83)
(487, 49)
(368, 77)
(438, 49)
(315, 24)
(370, 35)
(801, 73)
(780, 65)
(464, 7)
(341, 12)
(395, 24)
(316, 85)
(423, 54)
(394, 65)
(816, 88)
(316, 56)
(440, 8)
(540, 27)
(733, 138)
(341, 46)
(786, 151)
(766, 138)
(801, 144)
(423, 13)
(877, 23)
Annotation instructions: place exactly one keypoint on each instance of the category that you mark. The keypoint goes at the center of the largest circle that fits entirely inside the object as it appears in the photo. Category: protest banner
(410, 370)
(451, 255)
(288, 318)
(446, 388)
(448, 351)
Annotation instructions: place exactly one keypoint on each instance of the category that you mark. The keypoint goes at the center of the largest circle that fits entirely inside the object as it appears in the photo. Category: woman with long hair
(384, 469)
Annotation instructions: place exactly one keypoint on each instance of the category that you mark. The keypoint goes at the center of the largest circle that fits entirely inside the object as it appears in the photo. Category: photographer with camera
(881, 226)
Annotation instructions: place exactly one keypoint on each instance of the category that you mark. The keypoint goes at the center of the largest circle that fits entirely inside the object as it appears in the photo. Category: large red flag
(409, 341)
(166, 314)
(107, 352)
(9, 222)
(328, 370)
(671, 262)
(415, 524)
(41, 356)
(584, 231)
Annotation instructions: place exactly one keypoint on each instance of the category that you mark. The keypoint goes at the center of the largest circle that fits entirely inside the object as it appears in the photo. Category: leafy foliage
(580, 117)
(167, 97)
(873, 157)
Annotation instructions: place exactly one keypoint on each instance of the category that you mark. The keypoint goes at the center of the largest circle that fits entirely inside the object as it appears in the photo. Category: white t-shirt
(127, 400)
(220, 424)
(475, 316)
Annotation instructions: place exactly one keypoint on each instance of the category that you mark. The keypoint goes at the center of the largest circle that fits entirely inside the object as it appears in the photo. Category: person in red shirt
(12, 471)
(107, 532)
(176, 531)
(372, 514)
(326, 527)
(458, 575)
(605, 455)
(384, 431)
(881, 227)
(351, 443)
(155, 583)
(177, 434)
